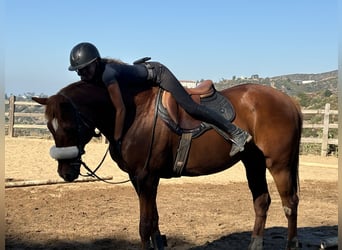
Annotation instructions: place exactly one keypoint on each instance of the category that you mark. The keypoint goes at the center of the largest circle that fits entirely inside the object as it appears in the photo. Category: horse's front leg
(146, 188)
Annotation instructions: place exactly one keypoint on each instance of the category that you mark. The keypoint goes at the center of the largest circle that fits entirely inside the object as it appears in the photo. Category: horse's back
(261, 96)
(256, 102)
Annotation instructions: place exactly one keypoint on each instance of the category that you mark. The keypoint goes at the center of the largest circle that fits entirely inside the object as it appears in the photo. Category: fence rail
(14, 123)
(326, 126)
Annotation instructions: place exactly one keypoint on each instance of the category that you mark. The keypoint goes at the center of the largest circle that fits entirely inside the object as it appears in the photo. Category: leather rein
(92, 173)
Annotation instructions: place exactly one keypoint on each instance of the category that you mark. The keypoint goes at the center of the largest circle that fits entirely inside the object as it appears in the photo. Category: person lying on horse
(85, 59)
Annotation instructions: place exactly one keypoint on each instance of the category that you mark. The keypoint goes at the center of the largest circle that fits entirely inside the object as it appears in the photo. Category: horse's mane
(76, 91)
(52, 110)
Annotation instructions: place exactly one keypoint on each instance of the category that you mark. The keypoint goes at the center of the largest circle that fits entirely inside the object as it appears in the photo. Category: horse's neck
(139, 107)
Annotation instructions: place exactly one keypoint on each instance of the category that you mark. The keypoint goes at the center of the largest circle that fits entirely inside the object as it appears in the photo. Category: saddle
(181, 122)
(188, 127)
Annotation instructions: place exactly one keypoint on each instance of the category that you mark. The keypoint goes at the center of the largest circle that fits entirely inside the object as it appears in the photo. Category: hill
(292, 84)
(305, 77)
(312, 90)
(295, 84)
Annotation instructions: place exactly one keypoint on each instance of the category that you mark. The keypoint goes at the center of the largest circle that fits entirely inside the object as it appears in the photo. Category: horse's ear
(40, 100)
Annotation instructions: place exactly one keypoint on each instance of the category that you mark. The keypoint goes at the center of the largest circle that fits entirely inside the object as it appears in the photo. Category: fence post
(325, 135)
(11, 110)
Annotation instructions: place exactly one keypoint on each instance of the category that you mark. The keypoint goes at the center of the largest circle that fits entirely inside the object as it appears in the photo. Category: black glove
(115, 149)
(117, 146)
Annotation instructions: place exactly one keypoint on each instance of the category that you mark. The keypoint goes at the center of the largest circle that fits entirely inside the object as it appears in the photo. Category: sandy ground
(28, 159)
(210, 212)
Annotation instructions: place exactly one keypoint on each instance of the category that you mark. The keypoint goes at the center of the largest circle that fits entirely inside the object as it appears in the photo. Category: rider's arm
(115, 96)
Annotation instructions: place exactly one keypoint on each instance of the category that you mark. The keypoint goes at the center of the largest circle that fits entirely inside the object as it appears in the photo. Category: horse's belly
(208, 154)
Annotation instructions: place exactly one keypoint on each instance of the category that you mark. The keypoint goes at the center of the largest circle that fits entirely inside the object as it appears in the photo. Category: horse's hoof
(293, 244)
(164, 240)
(159, 242)
(257, 243)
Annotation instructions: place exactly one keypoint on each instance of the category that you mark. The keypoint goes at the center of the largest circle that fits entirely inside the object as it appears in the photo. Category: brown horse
(149, 146)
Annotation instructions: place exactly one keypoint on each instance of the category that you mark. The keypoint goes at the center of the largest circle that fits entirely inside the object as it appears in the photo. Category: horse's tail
(295, 156)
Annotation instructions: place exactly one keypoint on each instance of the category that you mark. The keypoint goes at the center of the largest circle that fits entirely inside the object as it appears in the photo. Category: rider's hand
(118, 146)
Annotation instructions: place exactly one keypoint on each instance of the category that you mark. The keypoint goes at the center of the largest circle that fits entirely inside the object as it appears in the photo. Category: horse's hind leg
(256, 175)
(286, 182)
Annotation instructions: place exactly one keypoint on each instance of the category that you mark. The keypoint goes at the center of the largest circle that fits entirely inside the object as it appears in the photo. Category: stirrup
(236, 148)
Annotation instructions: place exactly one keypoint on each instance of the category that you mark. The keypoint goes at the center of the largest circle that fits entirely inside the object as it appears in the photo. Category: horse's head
(74, 113)
(71, 132)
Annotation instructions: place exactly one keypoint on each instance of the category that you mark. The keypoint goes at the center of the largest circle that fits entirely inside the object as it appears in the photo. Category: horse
(150, 145)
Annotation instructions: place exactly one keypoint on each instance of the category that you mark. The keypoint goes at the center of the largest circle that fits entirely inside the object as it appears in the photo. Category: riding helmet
(82, 55)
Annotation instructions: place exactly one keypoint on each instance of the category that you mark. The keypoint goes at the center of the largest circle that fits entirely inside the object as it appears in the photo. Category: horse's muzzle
(69, 170)
(69, 161)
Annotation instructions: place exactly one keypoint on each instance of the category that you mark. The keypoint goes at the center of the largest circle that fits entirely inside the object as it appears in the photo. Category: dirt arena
(210, 212)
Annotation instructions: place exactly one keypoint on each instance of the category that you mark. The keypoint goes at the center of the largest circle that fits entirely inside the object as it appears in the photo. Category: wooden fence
(326, 127)
(13, 123)
(16, 114)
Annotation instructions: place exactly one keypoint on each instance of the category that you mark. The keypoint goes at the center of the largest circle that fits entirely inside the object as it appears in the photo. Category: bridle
(83, 122)
(75, 156)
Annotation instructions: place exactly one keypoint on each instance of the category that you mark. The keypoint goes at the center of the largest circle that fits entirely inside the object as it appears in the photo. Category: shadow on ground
(275, 238)
(105, 243)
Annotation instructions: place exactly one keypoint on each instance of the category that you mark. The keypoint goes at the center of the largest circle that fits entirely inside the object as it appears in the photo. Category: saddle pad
(220, 104)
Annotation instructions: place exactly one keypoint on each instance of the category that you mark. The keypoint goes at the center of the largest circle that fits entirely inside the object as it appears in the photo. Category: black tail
(295, 157)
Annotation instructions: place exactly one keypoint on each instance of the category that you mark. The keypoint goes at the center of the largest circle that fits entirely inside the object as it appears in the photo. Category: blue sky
(196, 39)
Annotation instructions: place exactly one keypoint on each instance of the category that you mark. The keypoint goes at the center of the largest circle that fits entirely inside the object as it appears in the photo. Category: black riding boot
(239, 138)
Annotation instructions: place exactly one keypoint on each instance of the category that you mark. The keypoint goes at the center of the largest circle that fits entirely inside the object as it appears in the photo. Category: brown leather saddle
(181, 122)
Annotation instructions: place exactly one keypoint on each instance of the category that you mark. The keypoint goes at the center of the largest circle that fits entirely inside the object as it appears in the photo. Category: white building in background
(308, 81)
(188, 83)
(304, 82)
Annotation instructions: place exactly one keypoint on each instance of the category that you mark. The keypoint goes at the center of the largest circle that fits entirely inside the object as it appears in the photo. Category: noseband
(64, 153)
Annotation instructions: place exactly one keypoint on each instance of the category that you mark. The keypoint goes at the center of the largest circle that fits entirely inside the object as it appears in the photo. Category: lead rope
(92, 173)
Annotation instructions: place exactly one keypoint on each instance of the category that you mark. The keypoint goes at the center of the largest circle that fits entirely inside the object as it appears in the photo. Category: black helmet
(82, 55)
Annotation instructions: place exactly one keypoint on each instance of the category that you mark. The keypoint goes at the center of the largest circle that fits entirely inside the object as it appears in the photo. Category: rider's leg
(238, 136)
(169, 82)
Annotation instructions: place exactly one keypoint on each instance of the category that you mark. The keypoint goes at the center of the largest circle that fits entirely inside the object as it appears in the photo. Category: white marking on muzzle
(64, 153)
